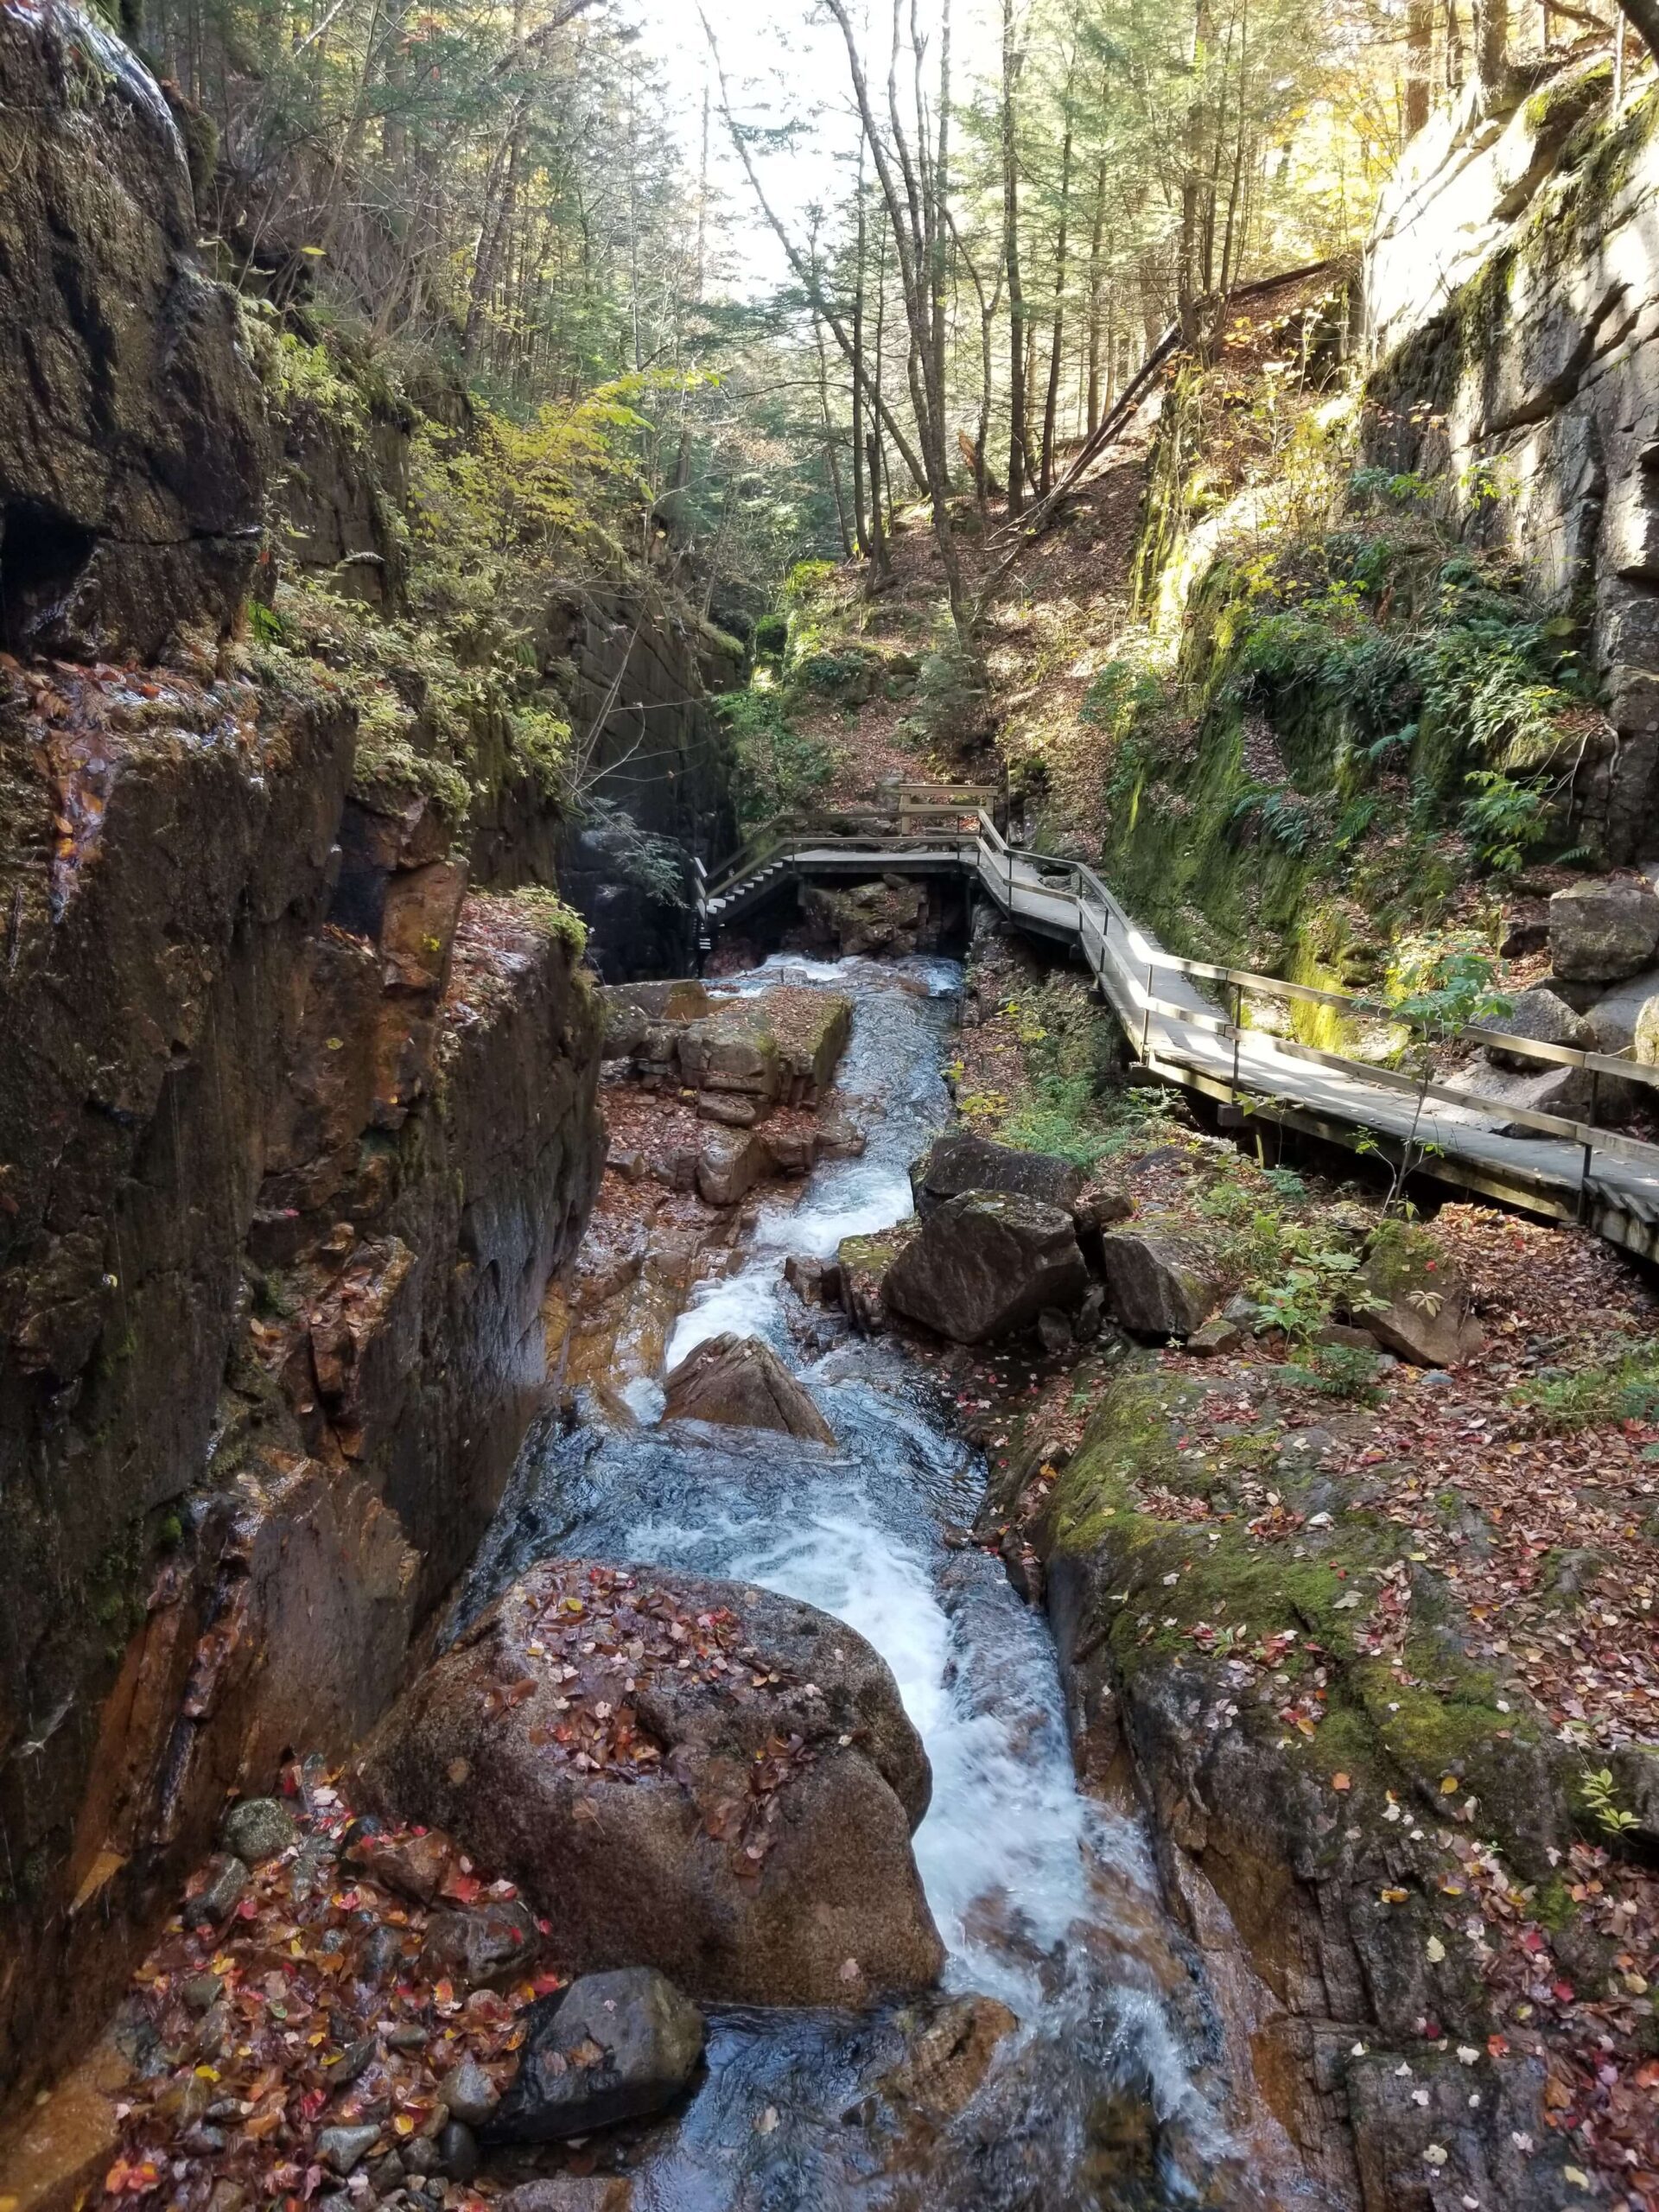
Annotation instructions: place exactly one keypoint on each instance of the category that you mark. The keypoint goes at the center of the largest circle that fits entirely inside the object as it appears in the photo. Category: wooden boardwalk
(1182, 1019)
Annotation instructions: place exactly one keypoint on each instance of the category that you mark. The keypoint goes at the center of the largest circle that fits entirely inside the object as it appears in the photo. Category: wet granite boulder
(729, 1164)
(1162, 1278)
(741, 1383)
(610, 2047)
(960, 1161)
(1601, 931)
(692, 1775)
(134, 447)
(985, 1265)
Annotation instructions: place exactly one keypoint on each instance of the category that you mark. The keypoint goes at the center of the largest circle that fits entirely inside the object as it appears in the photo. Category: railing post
(1146, 1024)
(1588, 1148)
(1238, 1018)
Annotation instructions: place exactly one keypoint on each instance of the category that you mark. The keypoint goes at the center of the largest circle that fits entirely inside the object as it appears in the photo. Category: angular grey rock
(345, 2148)
(1425, 1314)
(470, 2093)
(985, 1264)
(483, 1946)
(730, 1165)
(258, 1828)
(1611, 1018)
(1054, 1331)
(1544, 1019)
(1600, 932)
(612, 2047)
(740, 1383)
(1162, 1279)
(960, 1161)
(225, 1887)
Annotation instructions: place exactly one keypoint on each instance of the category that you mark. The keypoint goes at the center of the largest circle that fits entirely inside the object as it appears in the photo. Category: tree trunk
(1491, 42)
(1096, 242)
(1057, 332)
(1017, 463)
(1644, 15)
(1419, 62)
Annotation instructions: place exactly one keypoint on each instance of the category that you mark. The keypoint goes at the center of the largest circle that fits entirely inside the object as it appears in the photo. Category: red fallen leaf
(1341, 1782)
(1562, 1991)
(1533, 1942)
(465, 1889)
(1498, 2046)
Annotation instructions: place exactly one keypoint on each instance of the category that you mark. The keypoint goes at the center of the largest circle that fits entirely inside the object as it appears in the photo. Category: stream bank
(1074, 2054)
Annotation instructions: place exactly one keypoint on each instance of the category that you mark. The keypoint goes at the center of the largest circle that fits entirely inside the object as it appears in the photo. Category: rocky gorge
(767, 1587)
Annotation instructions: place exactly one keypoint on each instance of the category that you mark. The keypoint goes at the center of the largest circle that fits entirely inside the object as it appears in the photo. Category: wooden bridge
(1187, 1022)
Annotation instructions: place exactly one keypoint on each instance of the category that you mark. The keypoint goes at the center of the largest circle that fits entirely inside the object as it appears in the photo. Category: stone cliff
(298, 1108)
(1512, 298)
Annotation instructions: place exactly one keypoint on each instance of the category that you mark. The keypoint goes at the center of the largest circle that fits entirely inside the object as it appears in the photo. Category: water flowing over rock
(721, 1784)
(741, 1380)
(986, 1265)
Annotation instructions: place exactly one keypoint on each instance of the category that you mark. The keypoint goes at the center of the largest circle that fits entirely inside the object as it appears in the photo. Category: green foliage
(654, 867)
(1599, 1794)
(951, 704)
(770, 638)
(1441, 985)
(542, 906)
(1506, 818)
(778, 768)
(1121, 691)
(1625, 1387)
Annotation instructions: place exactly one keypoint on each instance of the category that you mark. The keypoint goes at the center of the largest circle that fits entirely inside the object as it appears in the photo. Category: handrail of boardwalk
(1177, 1037)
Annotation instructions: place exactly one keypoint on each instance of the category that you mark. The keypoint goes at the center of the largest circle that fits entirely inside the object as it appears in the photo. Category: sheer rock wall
(1512, 301)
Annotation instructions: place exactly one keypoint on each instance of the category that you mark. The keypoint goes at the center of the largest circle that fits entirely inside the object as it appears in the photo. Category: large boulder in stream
(741, 1383)
(986, 1265)
(695, 1776)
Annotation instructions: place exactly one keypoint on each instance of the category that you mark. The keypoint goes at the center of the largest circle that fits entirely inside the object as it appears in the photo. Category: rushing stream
(1110, 2092)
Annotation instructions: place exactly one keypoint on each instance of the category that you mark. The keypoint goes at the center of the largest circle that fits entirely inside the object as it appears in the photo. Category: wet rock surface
(133, 446)
(308, 1154)
(741, 1382)
(673, 1814)
(610, 2047)
(986, 1265)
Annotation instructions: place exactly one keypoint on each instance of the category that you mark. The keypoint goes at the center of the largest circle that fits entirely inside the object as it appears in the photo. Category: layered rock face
(1512, 294)
(296, 1122)
(133, 444)
(279, 1202)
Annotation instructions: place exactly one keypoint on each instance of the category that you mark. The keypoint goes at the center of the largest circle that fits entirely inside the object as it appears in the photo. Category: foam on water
(1028, 1881)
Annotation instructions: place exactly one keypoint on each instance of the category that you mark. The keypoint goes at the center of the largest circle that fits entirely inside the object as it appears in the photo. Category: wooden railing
(955, 824)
